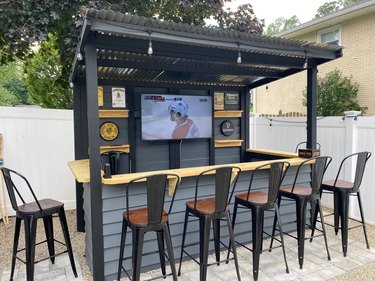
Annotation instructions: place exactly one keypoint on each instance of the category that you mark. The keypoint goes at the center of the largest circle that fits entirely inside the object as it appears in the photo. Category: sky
(270, 10)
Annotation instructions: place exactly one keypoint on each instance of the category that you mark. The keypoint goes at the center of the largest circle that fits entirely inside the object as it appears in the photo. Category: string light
(150, 51)
(305, 64)
(239, 59)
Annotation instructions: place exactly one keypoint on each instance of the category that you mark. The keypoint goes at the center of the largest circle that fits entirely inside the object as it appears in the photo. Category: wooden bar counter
(113, 198)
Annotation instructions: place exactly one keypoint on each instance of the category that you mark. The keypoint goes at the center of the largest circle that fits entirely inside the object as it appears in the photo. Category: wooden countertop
(273, 152)
(81, 171)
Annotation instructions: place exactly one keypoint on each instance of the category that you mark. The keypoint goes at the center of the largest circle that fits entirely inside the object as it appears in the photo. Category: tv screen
(166, 117)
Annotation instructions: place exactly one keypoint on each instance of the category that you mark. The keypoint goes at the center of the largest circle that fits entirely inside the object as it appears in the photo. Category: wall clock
(109, 131)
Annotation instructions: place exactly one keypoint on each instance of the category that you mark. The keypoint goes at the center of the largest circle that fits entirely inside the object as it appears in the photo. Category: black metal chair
(30, 213)
(259, 202)
(341, 190)
(151, 218)
(303, 194)
(303, 143)
(212, 209)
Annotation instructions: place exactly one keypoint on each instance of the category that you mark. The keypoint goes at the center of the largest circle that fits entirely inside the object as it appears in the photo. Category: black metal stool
(303, 194)
(258, 202)
(151, 218)
(212, 209)
(341, 190)
(30, 213)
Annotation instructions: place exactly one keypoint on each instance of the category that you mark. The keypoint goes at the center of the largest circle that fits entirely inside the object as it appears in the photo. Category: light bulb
(150, 51)
(79, 56)
(239, 59)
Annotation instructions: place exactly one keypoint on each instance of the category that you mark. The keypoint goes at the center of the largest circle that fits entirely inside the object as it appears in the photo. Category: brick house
(354, 29)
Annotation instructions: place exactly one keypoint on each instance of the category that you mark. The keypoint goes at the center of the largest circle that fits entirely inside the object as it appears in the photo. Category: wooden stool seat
(340, 184)
(139, 217)
(203, 206)
(48, 206)
(299, 190)
(255, 197)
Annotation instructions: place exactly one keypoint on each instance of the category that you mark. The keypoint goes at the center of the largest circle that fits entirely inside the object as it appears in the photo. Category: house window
(330, 36)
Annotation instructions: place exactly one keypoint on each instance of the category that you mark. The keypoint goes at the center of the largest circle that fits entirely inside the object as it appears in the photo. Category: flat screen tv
(167, 117)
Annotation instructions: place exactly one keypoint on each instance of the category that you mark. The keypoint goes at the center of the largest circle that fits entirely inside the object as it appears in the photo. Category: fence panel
(38, 143)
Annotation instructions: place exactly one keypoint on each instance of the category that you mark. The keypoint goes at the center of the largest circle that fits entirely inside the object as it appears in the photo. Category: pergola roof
(190, 55)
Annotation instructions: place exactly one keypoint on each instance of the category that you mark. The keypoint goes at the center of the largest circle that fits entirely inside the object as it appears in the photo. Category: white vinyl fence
(338, 137)
(39, 142)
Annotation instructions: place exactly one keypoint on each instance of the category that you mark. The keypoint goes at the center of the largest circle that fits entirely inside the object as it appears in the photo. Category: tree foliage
(282, 24)
(336, 94)
(333, 6)
(26, 22)
(243, 19)
(12, 88)
(45, 77)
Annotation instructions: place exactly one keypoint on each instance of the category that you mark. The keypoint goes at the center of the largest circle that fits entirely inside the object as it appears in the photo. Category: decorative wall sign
(100, 96)
(232, 98)
(109, 131)
(118, 97)
(219, 101)
(227, 128)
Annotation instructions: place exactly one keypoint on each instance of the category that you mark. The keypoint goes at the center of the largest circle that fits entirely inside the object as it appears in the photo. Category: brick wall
(358, 61)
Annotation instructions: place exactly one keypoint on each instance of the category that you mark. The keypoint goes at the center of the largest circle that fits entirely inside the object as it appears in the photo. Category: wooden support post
(3, 203)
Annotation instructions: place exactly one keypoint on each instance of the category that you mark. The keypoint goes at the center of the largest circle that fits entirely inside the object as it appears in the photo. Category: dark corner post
(94, 152)
(312, 93)
(78, 151)
(245, 122)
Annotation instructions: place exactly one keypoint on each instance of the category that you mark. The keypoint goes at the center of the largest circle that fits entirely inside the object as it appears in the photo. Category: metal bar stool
(259, 202)
(303, 194)
(212, 209)
(151, 218)
(30, 213)
(304, 143)
(341, 190)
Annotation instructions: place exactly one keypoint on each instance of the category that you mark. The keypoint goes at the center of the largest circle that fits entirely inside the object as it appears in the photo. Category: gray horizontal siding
(114, 205)
(195, 153)
(227, 155)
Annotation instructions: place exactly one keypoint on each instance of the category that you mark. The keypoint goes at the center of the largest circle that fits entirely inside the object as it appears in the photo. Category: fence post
(350, 148)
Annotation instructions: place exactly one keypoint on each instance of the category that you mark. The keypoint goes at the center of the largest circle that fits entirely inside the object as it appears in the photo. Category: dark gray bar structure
(185, 60)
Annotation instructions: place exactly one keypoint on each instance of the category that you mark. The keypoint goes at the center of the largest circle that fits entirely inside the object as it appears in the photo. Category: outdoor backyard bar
(132, 79)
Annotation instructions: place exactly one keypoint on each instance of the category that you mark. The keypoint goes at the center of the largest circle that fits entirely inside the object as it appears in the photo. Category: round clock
(109, 131)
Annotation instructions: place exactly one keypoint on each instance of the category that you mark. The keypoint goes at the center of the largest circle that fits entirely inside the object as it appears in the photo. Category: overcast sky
(270, 10)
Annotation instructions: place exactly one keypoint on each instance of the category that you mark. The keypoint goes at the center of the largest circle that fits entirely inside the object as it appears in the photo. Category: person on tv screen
(185, 127)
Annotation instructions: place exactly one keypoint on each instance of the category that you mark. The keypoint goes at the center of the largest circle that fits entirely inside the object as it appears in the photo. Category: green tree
(336, 94)
(333, 6)
(26, 22)
(243, 19)
(282, 24)
(45, 78)
(12, 88)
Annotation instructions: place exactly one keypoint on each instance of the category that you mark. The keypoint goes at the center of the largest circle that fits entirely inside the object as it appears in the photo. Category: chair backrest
(361, 158)
(277, 171)
(304, 143)
(156, 187)
(13, 191)
(318, 166)
(225, 178)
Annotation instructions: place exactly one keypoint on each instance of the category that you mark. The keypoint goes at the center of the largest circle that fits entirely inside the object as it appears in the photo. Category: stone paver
(272, 267)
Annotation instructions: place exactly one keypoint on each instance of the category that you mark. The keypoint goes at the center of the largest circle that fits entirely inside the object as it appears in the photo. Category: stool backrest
(156, 187)
(13, 191)
(361, 158)
(225, 177)
(303, 144)
(318, 167)
(277, 171)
